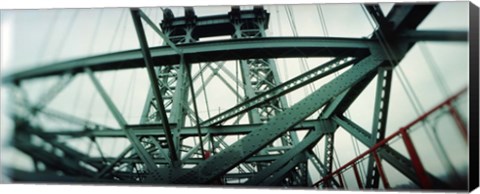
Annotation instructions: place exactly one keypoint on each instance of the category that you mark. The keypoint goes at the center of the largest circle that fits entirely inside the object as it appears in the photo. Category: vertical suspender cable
(48, 37)
(289, 100)
(406, 86)
(90, 51)
(434, 69)
(204, 89)
(192, 91)
(438, 147)
(65, 35)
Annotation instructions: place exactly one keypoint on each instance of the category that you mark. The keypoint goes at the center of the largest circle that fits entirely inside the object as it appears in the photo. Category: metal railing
(402, 133)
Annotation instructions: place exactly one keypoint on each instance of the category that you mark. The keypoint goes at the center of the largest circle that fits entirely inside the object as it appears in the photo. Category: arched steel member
(221, 50)
(336, 95)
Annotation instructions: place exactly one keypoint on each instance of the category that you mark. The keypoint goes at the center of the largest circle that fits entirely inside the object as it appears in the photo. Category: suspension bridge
(220, 99)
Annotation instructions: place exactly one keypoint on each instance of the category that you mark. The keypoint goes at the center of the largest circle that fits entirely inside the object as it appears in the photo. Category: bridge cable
(204, 89)
(288, 97)
(132, 80)
(65, 35)
(390, 54)
(90, 51)
(434, 69)
(354, 141)
(303, 64)
(48, 36)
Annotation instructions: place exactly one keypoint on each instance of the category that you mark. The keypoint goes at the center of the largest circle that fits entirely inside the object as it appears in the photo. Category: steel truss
(157, 153)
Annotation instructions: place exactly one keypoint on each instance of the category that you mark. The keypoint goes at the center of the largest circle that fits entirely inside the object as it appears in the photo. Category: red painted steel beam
(357, 176)
(417, 164)
(386, 184)
(461, 126)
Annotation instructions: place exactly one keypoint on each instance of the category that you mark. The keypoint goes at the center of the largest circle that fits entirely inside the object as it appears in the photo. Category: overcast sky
(31, 38)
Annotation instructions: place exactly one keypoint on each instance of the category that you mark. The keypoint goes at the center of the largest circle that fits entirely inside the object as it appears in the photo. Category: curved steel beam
(223, 50)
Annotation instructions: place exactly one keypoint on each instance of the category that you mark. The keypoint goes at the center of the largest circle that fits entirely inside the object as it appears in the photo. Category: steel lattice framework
(157, 153)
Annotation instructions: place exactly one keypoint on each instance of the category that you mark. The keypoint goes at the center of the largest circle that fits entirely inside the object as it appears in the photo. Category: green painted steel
(255, 160)
(221, 50)
(254, 141)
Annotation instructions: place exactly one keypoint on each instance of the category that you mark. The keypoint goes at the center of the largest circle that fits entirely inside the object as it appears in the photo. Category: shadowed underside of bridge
(274, 147)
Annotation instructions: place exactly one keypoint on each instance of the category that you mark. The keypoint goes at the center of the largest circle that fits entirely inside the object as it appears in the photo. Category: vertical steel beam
(153, 80)
(379, 124)
(340, 180)
(192, 91)
(319, 165)
(328, 156)
(386, 184)
(260, 75)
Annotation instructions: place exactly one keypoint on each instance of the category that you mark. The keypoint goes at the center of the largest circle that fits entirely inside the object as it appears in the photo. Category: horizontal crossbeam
(153, 130)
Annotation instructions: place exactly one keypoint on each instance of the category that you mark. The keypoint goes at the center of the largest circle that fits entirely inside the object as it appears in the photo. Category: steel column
(153, 80)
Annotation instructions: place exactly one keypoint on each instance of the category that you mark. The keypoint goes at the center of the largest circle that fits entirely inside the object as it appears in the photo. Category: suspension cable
(134, 76)
(390, 54)
(122, 36)
(289, 100)
(117, 27)
(110, 49)
(321, 17)
(90, 51)
(97, 25)
(65, 35)
(155, 18)
(303, 63)
(204, 89)
(192, 91)
(322, 20)
(48, 37)
(434, 69)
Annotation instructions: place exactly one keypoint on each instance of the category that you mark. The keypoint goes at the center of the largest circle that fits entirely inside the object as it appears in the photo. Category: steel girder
(170, 91)
(53, 177)
(255, 140)
(281, 89)
(260, 76)
(394, 158)
(152, 130)
(380, 115)
(297, 150)
(336, 95)
(402, 19)
(144, 155)
(222, 50)
(161, 112)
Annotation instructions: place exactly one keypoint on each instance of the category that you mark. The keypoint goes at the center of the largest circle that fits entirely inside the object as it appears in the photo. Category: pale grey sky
(31, 38)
